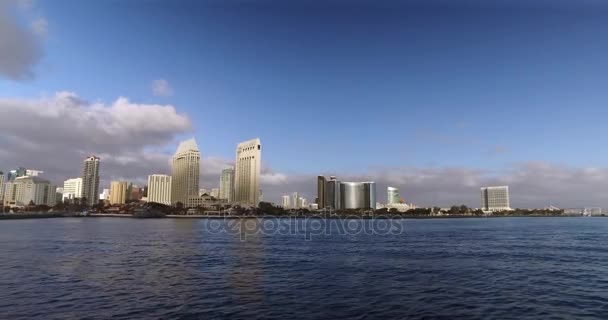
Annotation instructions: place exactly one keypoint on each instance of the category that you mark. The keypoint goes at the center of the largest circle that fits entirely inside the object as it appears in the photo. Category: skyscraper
(392, 195)
(495, 198)
(295, 199)
(358, 195)
(1, 188)
(185, 172)
(247, 172)
(90, 180)
(227, 184)
(72, 189)
(321, 182)
(118, 192)
(286, 202)
(32, 189)
(332, 193)
(159, 189)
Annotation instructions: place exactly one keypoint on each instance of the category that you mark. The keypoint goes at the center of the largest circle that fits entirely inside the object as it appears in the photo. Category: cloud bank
(20, 47)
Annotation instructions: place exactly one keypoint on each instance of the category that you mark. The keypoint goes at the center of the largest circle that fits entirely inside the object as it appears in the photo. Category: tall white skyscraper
(392, 195)
(295, 199)
(227, 184)
(159, 189)
(286, 202)
(495, 198)
(247, 172)
(185, 172)
(72, 189)
(90, 180)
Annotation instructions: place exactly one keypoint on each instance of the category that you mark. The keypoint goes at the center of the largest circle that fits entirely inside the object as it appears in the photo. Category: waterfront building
(72, 189)
(32, 189)
(495, 198)
(247, 172)
(286, 204)
(13, 174)
(215, 192)
(90, 180)
(313, 206)
(302, 203)
(332, 193)
(227, 185)
(392, 195)
(159, 189)
(185, 172)
(105, 195)
(136, 193)
(1, 188)
(321, 183)
(295, 200)
(118, 192)
(357, 195)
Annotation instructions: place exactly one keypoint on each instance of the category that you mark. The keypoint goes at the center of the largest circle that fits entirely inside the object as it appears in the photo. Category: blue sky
(347, 86)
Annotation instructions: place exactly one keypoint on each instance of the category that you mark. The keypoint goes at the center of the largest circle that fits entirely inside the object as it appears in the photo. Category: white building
(90, 180)
(72, 189)
(31, 189)
(159, 189)
(215, 192)
(495, 198)
(392, 195)
(247, 172)
(302, 203)
(295, 199)
(33, 173)
(227, 185)
(185, 172)
(105, 195)
(286, 204)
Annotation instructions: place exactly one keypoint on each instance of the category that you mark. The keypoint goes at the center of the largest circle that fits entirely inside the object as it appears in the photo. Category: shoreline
(407, 217)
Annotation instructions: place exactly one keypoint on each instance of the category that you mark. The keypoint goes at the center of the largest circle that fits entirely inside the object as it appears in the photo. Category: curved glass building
(358, 195)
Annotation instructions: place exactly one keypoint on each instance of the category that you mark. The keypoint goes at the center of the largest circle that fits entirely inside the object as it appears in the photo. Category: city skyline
(478, 95)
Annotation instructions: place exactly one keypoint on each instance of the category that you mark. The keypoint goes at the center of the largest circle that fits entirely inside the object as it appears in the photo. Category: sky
(435, 97)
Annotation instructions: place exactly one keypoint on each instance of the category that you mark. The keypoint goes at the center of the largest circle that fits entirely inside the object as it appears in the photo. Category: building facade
(1, 189)
(90, 180)
(495, 198)
(32, 189)
(227, 185)
(392, 195)
(159, 189)
(247, 172)
(72, 189)
(118, 192)
(286, 204)
(321, 183)
(358, 195)
(185, 171)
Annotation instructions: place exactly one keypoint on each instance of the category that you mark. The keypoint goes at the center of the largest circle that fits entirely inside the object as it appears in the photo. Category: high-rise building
(286, 204)
(1, 189)
(105, 195)
(13, 174)
(358, 195)
(495, 198)
(215, 192)
(159, 189)
(247, 172)
(32, 189)
(72, 189)
(332, 193)
(321, 183)
(136, 193)
(302, 203)
(185, 172)
(392, 195)
(118, 192)
(90, 180)
(295, 200)
(227, 184)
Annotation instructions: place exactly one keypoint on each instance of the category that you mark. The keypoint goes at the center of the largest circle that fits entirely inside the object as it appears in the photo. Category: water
(505, 268)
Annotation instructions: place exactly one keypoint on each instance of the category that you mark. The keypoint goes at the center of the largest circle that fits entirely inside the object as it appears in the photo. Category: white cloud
(39, 27)
(56, 133)
(161, 87)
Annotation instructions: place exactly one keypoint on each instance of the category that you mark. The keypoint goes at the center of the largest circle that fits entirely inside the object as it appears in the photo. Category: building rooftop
(186, 146)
